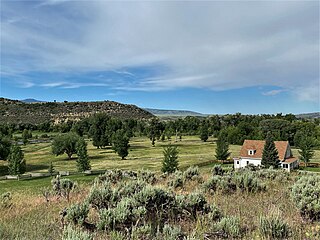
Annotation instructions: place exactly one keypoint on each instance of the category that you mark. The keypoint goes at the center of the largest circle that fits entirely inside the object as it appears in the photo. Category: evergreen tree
(306, 145)
(26, 134)
(154, 130)
(222, 150)
(270, 153)
(120, 143)
(83, 162)
(51, 169)
(170, 161)
(16, 162)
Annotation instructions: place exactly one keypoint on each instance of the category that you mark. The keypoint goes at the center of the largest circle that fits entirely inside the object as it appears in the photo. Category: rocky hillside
(19, 112)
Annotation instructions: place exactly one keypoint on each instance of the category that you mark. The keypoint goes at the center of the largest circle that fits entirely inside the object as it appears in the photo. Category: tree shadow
(36, 167)
(96, 157)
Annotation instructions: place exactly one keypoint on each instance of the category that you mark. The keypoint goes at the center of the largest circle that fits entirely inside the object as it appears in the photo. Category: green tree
(154, 130)
(170, 161)
(51, 169)
(98, 130)
(16, 162)
(270, 155)
(65, 143)
(120, 143)
(222, 150)
(204, 133)
(5, 145)
(306, 145)
(83, 162)
(26, 134)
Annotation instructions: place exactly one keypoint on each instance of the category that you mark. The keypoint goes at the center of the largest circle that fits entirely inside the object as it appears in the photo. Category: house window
(251, 152)
(247, 162)
(237, 162)
(285, 165)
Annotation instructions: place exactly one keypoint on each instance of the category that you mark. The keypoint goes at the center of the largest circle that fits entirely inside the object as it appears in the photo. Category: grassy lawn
(142, 155)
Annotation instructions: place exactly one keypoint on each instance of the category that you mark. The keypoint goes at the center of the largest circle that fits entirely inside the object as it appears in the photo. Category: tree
(306, 145)
(222, 150)
(204, 133)
(154, 130)
(65, 143)
(26, 134)
(83, 162)
(120, 143)
(51, 169)
(270, 153)
(98, 130)
(5, 145)
(170, 161)
(16, 162)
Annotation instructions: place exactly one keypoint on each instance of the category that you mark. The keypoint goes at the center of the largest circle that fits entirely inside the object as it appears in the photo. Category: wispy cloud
(273, 92)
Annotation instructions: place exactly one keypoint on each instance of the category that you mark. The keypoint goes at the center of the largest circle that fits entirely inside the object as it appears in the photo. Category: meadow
(30, 216)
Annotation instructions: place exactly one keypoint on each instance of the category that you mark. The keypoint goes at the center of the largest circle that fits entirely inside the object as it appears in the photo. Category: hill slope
(163, 112)
(309, 115)
(14, 111)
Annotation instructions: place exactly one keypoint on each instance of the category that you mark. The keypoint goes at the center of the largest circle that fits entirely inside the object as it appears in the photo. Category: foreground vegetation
(211, 204)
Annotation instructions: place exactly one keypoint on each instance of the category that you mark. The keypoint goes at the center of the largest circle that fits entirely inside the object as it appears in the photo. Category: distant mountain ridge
(309, 115)
(15, 111)
(31, 100)
(164, 112)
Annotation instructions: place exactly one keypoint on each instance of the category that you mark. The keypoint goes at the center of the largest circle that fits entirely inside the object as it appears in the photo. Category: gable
(256, 147)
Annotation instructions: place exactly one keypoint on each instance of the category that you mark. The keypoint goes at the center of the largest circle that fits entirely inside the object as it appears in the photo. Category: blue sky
(211, 57)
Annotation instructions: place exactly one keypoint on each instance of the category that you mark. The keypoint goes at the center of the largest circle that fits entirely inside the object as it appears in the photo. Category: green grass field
(192, 151)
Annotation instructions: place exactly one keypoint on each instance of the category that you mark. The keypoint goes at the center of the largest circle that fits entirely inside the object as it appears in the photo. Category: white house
(251, 153)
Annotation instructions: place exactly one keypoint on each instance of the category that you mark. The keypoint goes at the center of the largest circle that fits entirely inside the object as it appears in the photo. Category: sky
(207, 56)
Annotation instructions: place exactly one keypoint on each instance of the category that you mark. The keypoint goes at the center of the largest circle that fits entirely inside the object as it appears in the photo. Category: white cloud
(273, 92)
(215, 45)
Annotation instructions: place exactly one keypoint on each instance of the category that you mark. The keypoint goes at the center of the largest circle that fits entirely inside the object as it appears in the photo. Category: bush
(113, 176)
(217, 170)
(75, 234)
(63, 186)
(77, 213)
(213, 213)
(6, 200)
(172, 233)
(147, 176)
(305, 193)
(191, 173)
(273, 227)
(101, 197)
(246, 181)
(229, 227)
(177, 180)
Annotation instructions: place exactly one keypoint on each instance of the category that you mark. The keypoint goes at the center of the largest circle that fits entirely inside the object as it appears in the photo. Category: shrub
(63, 186)
(246, 181)
(113, 176)
(75, 234)
(217, 170)
(191, 173)
(273, 227)
(172, 233)
(213, 213)
(194, 202)
(177, 180)
(229, 227)
(77, 213)
(147, 176)
(101, 197)
(6, 200)
(305, 193)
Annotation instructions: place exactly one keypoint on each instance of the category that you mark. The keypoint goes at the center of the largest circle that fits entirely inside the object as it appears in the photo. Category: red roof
(258, 145)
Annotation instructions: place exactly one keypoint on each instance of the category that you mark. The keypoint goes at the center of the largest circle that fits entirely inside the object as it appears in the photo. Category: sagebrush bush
(112, 176)
(217, 170)
(147, 176)
(6, 200)
(70, 233)
(273, 227)
(191, 173)
(177, 180)
(77, 213)
(213, 213)
(306, 194)
(101, 196)
(63, 186)
(229, 227)
(247, 181)
(172, 233)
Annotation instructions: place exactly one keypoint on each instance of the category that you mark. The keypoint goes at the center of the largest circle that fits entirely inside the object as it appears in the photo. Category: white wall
(243, 162)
